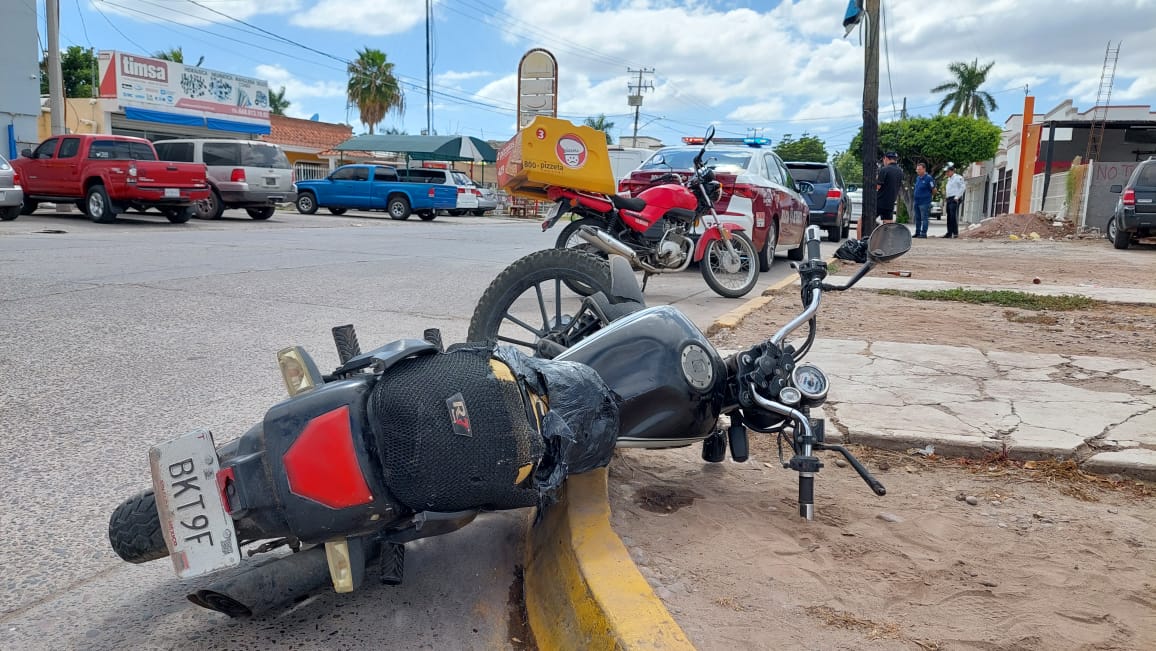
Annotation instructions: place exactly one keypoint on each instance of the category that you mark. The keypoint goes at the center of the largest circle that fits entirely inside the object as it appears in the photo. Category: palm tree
(176, 55)
(373, 88)
(963, 93)
(602, 124)
(277, 101)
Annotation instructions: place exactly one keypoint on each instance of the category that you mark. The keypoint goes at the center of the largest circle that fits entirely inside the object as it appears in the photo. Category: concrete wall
(1054, 204)
(1101, 203)
(19, 75)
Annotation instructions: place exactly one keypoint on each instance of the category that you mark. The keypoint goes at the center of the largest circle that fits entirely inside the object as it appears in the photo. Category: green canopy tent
(440, 148)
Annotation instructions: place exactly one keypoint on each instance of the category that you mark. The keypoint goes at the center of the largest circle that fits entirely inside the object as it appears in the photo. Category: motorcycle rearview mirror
(888, 242)
(709, 136)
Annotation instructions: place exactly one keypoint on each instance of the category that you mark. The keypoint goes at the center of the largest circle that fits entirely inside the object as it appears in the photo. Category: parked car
(374, 187)
(936, 210)
(487, 200)
(245, 174)
(11, 194)
(830, 207)
(467, 193)
(105, 175)
(624, 160)
(1135, 215)
(758, 193)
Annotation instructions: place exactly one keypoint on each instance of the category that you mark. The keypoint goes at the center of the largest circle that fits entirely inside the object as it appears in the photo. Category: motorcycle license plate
(198, 531)
(555, 214)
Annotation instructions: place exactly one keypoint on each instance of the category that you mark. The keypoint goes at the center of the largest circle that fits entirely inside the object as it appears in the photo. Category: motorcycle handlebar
(813, 252)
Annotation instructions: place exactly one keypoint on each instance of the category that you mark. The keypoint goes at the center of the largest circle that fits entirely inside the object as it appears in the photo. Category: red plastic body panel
(710, 235)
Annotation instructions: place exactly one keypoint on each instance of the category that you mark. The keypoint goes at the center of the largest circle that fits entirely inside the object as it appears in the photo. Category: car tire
(8, 213)
(797, 254)
(306, 203)
(479, 213)
(211, 208)
(457, 213)
(261, 214)
(398, 208)
(99, 207)
(29, 206)
(337, 211)
(179, 215)
(833, 234)
(767, 253)
(1121, 239)
(427, 216)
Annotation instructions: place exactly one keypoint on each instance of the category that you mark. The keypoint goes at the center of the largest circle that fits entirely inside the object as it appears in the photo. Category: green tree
(963, 93)
(806, 148)
(373, 88)
(933, 141)
(602, 124)
(277, 101)
(176, 55)
(78, 70)
(849, 166)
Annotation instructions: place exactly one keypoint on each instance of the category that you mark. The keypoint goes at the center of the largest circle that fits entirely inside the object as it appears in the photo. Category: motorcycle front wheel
(530, 304)
(730, 273)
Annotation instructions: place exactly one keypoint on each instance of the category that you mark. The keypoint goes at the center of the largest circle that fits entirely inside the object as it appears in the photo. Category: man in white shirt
(954, 191)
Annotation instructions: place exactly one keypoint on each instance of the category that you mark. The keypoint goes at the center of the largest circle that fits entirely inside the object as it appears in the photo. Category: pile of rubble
(1034, 226)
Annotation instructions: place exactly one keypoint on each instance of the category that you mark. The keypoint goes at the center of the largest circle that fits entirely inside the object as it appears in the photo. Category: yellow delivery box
(556, 152)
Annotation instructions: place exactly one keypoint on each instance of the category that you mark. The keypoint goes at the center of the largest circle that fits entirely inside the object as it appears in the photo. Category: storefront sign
(144, 82)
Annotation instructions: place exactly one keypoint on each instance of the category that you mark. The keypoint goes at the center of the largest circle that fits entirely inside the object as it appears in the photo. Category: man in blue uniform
(924, 188)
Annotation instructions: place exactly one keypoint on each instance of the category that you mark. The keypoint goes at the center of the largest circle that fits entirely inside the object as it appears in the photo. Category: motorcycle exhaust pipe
(267, 587)
(611, 246)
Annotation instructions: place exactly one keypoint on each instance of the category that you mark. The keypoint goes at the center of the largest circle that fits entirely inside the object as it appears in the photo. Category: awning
(447, 148)
(181, 119)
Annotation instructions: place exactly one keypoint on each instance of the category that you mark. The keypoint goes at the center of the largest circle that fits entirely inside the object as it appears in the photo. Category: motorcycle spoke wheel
(530, 304)
(731, 271)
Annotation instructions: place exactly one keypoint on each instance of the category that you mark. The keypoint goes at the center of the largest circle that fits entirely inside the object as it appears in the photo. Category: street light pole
(52, 60)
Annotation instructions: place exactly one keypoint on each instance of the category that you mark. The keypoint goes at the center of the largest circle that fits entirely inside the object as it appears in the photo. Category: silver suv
(245, 174)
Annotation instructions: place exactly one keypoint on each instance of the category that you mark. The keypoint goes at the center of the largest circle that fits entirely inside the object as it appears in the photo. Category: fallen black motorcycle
(411, 440)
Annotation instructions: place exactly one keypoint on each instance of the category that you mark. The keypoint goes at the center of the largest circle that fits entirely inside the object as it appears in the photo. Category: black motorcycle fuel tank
(670, 378)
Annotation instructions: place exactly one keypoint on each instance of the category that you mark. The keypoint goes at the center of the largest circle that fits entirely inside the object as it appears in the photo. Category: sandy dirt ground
(958, 555)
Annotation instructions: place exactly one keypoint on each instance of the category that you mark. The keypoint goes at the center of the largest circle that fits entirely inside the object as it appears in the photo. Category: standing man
(887, 188)
(954, 191)
(924, 188)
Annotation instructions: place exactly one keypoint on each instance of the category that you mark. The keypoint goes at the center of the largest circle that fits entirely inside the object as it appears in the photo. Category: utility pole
(903, 112)
(52, 59)
(870, 151)
(428, 67)
(635, 97)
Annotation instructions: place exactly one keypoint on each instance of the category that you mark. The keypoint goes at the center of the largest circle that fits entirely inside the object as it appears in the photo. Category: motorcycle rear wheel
(714, 265)
(526, 304)
(134, 530)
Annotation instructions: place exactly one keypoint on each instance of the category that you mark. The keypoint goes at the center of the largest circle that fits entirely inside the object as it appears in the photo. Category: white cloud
(296, 89)
(451, 77)
(372, 17)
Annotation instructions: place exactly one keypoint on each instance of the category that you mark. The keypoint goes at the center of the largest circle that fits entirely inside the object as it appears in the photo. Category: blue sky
(781, 67)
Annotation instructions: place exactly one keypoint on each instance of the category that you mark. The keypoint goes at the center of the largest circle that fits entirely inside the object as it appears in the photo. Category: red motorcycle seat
(627, 203)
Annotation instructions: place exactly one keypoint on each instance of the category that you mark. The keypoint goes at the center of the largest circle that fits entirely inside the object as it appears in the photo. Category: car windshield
(810, 174)
(722, 160)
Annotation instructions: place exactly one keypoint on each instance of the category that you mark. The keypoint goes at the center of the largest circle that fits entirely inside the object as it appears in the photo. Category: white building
(19, 78)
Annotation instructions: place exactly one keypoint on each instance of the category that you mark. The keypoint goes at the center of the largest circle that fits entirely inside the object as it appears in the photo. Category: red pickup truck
(104, 175)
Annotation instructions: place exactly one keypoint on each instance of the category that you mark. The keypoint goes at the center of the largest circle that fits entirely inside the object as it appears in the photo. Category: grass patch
(833, 268)
(1004, 298)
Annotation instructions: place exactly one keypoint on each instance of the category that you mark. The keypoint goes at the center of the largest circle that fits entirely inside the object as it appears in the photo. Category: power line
(95, 6)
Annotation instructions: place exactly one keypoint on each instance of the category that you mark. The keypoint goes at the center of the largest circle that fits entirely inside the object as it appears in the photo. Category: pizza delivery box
(556, 152)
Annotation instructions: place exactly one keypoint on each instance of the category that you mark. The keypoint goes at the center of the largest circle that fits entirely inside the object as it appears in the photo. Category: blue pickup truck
(374, 187)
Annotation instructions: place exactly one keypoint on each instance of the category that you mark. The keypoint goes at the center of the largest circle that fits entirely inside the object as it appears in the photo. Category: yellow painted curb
(733, 318)
(582, 589)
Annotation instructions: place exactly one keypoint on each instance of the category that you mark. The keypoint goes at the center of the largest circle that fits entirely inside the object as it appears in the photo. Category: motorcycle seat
(680, 214)
(627, 203)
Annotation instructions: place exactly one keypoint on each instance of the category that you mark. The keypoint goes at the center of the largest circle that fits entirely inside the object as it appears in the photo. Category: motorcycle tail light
(237, 176)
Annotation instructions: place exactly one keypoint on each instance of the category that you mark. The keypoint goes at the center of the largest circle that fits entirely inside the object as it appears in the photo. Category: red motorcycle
(655, 230)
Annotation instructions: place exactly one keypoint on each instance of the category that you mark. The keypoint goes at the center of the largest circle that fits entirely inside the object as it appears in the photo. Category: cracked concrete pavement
(1100, 411)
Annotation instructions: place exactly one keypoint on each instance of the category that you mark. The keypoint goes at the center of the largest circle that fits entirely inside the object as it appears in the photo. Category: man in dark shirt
(887, 187)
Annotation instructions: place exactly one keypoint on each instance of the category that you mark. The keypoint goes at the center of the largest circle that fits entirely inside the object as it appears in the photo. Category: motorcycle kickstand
(645, 277)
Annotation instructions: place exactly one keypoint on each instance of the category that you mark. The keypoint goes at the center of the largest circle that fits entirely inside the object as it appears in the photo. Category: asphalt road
(116, 337)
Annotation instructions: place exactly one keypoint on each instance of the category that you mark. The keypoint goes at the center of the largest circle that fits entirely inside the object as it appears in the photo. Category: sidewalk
(1100, 411)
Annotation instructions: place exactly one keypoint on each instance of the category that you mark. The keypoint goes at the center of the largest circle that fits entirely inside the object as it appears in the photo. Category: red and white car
(758, 192)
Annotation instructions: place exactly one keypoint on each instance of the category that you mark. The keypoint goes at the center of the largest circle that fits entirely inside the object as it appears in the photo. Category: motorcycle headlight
(810, 381)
